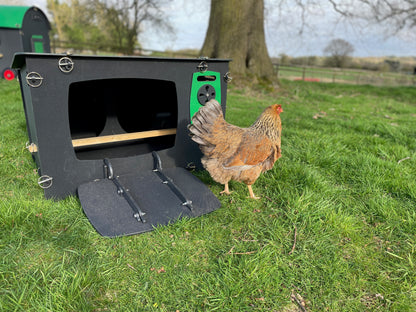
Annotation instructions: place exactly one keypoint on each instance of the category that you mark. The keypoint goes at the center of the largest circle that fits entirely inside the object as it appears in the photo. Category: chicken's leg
(250, 190)
(226, 190)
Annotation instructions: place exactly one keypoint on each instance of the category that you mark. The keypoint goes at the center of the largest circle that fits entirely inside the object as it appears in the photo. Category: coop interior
(114, 118)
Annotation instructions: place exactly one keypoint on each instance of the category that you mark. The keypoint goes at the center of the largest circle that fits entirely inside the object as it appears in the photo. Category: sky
(190, 22)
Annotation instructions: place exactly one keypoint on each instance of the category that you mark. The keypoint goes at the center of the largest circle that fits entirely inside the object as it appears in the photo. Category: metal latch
(227, 77)
(45, 181)
(65, 64)
(32, 147)
(203, 66)
(34, 79)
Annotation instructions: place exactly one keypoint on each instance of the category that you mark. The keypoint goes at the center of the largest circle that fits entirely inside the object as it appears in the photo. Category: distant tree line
(388, 64)
(339, 55)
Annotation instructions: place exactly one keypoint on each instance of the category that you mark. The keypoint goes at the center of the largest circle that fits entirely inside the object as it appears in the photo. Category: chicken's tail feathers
(208, 113)
(203, 122)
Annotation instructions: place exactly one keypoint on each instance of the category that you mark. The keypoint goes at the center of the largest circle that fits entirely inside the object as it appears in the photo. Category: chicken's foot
(226, 190)
(250, 190)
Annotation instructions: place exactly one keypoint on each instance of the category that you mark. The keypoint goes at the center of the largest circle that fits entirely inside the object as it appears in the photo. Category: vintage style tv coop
(113, 130)
(22, 29)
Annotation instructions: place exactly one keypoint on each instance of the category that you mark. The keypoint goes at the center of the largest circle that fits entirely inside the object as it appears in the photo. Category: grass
(335, 227)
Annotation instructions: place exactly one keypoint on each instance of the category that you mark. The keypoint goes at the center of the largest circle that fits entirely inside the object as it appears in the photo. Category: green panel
(38, 47)
(37, 43)
(196, 85)
(12, 16)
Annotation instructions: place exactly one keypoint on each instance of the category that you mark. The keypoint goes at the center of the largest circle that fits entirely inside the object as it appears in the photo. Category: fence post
(303, 73)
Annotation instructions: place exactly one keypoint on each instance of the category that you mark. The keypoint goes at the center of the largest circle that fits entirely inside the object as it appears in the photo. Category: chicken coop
(113, 131)
(22, 29)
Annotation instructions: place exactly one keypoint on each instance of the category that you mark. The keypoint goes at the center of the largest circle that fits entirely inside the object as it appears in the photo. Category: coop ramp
(135, 203)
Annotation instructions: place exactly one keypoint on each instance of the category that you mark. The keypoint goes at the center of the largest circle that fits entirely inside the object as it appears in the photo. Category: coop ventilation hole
(114, 118)
(206, 93)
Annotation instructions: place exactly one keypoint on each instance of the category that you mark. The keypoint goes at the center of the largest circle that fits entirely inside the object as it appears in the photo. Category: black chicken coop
(113, 130)
(22, 29)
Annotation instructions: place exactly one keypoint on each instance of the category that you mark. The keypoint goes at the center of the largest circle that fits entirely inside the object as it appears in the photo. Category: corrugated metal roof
(12, 16)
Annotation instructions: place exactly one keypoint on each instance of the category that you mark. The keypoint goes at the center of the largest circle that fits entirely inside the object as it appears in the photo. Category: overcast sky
(190, 21)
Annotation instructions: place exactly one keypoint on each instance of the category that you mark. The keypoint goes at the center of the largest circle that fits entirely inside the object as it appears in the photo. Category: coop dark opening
(122, 117)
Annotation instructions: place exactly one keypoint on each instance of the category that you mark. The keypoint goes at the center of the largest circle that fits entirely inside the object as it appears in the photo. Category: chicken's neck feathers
(268, 125)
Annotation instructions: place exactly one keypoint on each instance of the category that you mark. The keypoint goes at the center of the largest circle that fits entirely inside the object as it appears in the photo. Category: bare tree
(339, 51)
(236, 30)
(395, 15)
(73, 21)
(106, 24)
(125, 19)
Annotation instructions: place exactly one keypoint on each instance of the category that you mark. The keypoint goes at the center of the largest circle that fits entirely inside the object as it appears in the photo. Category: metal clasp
(203, 67)
(45, 181)
(34, 79)
(32, 147)
(227, 77)
(65, 64)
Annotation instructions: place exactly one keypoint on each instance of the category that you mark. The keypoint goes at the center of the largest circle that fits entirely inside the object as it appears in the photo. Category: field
(334, 230)
(346, 76)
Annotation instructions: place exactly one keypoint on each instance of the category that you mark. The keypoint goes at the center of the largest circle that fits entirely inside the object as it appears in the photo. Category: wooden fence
(344, 76)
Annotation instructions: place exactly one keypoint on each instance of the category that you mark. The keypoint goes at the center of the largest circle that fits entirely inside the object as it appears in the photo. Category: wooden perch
(122, 137)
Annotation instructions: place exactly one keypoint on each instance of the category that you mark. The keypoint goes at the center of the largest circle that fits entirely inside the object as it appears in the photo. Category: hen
(234, 153)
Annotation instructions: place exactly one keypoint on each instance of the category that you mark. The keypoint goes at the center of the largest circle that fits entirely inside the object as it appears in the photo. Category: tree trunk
(236, 30)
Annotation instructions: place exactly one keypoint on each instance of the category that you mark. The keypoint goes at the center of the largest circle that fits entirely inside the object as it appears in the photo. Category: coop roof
(12, 16)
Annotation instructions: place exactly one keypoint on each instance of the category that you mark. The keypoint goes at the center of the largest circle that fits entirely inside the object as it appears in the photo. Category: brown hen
(234, 153)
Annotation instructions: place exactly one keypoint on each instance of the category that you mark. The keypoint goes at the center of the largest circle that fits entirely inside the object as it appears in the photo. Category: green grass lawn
(334, 230)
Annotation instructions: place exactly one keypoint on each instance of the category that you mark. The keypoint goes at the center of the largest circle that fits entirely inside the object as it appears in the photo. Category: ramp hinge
(121, 191)
(168, 181)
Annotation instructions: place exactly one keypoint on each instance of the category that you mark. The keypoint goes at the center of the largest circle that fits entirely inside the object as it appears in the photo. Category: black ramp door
(136, 203)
